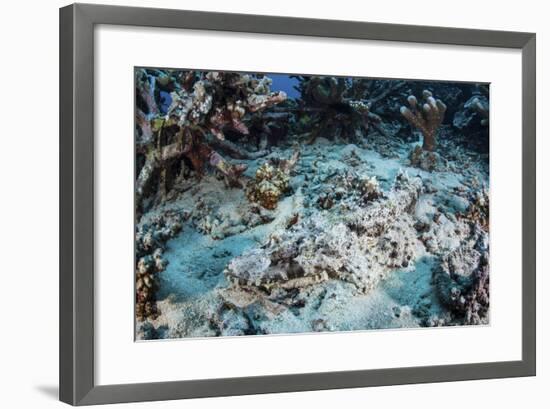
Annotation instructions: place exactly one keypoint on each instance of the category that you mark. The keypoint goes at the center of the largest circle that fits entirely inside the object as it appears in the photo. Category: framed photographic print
(268, 204)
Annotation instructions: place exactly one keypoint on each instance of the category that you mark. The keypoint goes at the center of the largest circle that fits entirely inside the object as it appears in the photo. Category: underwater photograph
(292, 203)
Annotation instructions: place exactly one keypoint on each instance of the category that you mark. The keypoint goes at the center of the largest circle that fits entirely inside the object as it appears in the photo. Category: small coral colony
(278, 204)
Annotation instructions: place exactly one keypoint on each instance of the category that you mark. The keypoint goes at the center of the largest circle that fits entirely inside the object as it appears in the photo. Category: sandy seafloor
(189, 298)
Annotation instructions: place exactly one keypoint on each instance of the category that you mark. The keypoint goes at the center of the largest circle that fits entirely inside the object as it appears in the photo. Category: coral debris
(283, 204)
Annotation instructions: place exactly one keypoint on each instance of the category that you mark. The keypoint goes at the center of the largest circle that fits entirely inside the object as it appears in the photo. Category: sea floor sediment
(360, 240)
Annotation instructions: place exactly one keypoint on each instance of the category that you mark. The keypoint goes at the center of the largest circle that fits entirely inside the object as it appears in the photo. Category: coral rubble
(285, 204)
(358, 249)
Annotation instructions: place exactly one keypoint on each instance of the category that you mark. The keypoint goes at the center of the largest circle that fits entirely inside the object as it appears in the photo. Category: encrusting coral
(370, 189)
(150, 241)
(478, 210)
(422, 159)
(271, 182)
(462, 279)
(427, 118)
(348, 186)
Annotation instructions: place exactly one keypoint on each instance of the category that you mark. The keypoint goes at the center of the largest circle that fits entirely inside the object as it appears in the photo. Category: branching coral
(427, 119)
(336, 107)
(374, 90)
(203, 106)
(271, 182)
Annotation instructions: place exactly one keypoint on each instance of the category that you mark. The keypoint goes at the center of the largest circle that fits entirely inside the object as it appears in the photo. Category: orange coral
(428, 119)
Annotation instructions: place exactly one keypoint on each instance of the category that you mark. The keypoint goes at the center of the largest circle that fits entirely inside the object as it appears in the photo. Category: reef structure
(362, 227)
(462, 280)
(150, 243)
(360, 247)
(427, 119)
(203, 107)
(338, 108)
(271, 182)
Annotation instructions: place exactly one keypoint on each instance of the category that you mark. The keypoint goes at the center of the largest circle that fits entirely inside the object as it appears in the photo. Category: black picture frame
(77, 21)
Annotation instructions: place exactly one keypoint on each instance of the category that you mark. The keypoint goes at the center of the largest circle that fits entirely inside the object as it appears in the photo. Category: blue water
(283, 82)
(166, 100)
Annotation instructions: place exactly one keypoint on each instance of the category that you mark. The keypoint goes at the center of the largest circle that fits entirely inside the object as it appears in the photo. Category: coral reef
(462, 280)
(269, 204)
(220, 224)
(358, 249)
(397, 246)
(150, 240)
(482, 108)
(427, 119)
(476, 109)
(271, 182)
(426, 160)
(471, 119)
(203, 106)
(338, 108)
(344, 188)
(370, 189)
(478, 210)
(268, 186)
